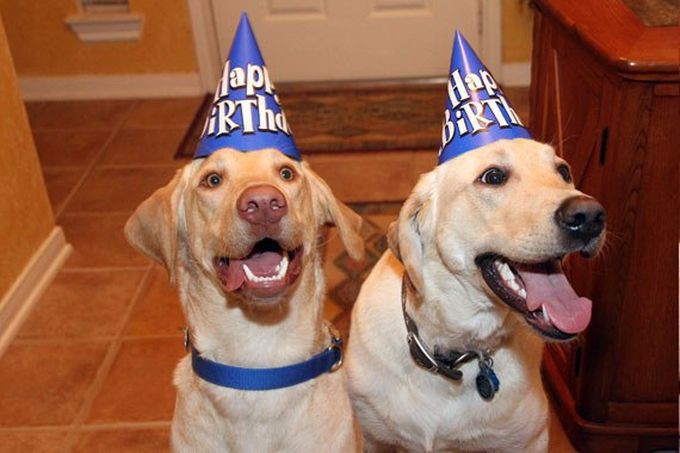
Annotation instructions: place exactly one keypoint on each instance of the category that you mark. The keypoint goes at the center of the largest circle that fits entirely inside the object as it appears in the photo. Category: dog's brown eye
(213, 180)
(563, 170)
(493, 177)
(287, 174)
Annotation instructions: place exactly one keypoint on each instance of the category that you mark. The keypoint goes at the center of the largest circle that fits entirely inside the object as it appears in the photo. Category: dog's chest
(447, 416)
(258, 406)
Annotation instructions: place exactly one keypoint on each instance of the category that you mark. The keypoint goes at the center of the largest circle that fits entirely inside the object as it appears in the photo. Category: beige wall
(26, 218)
(43, 45)
(517, 22)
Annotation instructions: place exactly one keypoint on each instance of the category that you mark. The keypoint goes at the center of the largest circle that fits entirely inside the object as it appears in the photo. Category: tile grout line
(106, 364)
(107, 338)
(151, 166)
(104, 338)
(93, 163)
(126, 425)
(98, 213)
(86, 428)
(107, 269)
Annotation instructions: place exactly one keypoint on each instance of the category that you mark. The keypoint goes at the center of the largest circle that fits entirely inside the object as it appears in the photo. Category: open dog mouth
(540, 292)
(267, 271)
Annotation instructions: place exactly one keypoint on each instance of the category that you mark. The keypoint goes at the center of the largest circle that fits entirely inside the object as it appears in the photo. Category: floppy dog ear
(404, 234)
(153, 228)
(337, 213)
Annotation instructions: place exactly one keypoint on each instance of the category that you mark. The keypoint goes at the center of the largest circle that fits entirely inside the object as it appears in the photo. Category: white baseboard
(34, 279)
(110, 86)
(516, 74)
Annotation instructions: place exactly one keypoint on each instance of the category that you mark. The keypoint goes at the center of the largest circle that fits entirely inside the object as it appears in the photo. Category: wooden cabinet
(605, 92)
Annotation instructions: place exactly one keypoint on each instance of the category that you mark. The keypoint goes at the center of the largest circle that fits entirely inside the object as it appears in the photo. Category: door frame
(209, 62)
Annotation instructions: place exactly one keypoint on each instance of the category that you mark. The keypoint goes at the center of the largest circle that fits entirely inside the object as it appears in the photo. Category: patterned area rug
(345, 276)
(391, 117)
(346, 118)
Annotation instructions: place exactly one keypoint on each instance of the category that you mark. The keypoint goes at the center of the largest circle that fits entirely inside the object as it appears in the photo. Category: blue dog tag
(487, 382)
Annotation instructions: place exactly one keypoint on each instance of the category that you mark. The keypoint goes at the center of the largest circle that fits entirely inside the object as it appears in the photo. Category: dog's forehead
(245, 163)
(515, 154)
(532, 153)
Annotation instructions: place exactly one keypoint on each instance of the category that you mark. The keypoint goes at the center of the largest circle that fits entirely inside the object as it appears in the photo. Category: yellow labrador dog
(239, 234)
(441, 355)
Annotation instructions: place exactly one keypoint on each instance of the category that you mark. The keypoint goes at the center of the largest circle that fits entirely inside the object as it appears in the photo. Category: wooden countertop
(619, 38)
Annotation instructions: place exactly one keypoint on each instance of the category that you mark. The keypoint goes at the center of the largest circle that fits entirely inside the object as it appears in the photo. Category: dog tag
(487, 382)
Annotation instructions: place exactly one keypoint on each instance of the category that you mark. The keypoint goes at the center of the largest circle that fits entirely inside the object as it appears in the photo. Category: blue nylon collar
(269, 378)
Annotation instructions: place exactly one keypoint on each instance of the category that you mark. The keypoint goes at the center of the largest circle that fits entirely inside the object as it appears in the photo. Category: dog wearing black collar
(447, 332)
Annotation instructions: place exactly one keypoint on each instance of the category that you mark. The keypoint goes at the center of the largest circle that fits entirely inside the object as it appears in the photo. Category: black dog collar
(447, 363)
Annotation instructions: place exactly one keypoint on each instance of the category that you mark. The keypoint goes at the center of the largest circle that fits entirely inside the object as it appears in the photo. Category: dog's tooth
(284, 266)
(502, 267)
(507, 273)
(544, 311)
(523, 293)
(249, 274)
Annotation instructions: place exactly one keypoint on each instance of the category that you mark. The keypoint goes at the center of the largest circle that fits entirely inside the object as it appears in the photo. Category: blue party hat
(246, 114)
(477, 113)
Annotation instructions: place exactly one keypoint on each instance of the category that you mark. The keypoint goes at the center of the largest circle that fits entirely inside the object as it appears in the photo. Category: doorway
(348, 40)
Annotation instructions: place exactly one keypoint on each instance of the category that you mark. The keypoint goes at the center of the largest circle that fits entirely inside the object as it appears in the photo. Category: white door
(316, 40)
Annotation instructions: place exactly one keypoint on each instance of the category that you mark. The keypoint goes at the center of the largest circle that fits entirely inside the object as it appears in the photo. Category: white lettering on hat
(237, 78)
(254, 79)
(223, 90)
(448, 130)
(489, 82)
(268, 120)
(514, 117)
(474, 111)
(473, 82)
(222, 117)
(475, 115)
(460, 123)
(493, 105)
(247, 114)
(456, 90)
(255, 115)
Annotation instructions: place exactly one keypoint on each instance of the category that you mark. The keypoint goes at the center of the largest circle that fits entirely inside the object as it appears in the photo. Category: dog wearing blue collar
(240, 235)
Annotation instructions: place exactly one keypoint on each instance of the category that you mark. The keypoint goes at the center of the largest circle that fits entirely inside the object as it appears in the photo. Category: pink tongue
(547, 286)
(261, 264)
(235, 275)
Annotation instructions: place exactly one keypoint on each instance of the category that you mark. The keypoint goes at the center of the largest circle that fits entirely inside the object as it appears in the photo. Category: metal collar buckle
(336, 343)
(187, 340)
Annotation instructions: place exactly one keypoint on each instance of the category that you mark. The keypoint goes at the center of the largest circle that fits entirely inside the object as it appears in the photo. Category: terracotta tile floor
(91, 368)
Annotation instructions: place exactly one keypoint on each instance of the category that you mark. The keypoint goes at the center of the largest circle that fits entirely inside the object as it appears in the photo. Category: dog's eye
(493, 177)
(213, 180)
(287, 174)
(563, 170)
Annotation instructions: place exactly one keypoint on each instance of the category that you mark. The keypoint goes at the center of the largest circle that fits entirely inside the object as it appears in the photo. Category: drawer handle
(603, 145)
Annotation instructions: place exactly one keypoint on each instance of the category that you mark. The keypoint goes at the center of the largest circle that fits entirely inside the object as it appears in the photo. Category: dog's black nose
(582, 217)
(261, 205)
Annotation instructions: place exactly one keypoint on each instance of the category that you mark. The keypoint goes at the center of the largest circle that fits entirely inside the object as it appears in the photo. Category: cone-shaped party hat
(477, 113)
(246, 114)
